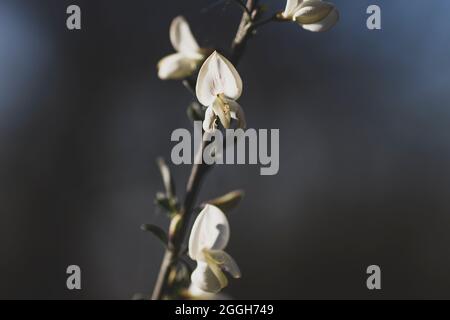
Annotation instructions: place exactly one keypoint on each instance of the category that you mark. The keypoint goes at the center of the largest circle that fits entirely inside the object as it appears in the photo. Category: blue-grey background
(365, 149)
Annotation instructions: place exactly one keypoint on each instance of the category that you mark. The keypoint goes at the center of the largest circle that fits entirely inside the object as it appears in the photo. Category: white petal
(211, 231)
(209, 121)
(224, 261)
(313, 11)
(238, 114)
(291, 6)
(182, 39)
(316, 15)
(324, 24)
(217, 76)
(205, 279)
(222, 110)
(176, 66)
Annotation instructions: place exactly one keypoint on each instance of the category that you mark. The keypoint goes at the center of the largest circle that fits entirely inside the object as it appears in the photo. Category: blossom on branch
(312, 15)
(218, 87)
(188, 57)
(209, 237)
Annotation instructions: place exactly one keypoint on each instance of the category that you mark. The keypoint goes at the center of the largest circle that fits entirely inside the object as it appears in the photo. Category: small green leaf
(169, 205)
(228, 201)
(186, 265)
(181, 278)
(169, 184)
(195, 112)
(156, 231)
(184, 272)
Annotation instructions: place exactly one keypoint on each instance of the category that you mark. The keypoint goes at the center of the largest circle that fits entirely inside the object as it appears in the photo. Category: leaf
(186, 265)
(181, 278)
(169, 185)
(228, 201)
(184, 271)
(170, 205)
(195, 112)
(156, 231)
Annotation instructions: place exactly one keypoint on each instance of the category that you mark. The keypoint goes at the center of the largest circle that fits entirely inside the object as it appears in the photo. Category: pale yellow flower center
(224, 104)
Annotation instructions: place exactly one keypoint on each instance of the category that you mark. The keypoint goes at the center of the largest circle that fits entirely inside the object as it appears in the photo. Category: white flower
(312, 15)
(218, 87)
(188, 57)
(209, 237)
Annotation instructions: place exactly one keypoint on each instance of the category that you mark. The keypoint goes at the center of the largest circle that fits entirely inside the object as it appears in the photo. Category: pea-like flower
(209, 237)
(188, 57)
(312, 15)
(218, 87)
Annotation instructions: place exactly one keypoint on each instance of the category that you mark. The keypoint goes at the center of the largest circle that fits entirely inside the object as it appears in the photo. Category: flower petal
(313, 11)
(209, 123)
(291, 7)
(176, 66)
(211, 231)
(237, 113)
(182, 39)
(222, 110)
(208, 279)
(217, 76)
(223, 260)
(325, 24)
(316, 15)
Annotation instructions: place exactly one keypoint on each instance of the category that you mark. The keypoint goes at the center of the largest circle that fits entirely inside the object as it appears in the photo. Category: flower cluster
(218, 87)
(312, 15)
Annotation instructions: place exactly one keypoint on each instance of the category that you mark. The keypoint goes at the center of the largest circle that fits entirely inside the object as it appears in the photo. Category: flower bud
(176, 67)
(313, 12)
(228, 201)
(316, 15)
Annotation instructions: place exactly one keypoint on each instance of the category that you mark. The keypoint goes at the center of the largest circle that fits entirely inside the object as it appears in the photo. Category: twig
(193, 186)
(243, 33)
(256, 25)
(244, 7)
(189, 84)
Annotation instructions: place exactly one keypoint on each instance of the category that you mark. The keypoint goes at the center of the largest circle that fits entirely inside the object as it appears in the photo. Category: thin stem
(244, 7)
(189, 84)
(193, 186)
(198, 171)
(243, 33)
(256, 25)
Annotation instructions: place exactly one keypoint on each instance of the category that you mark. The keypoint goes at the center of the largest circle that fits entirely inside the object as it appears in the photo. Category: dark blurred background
(364, 161)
